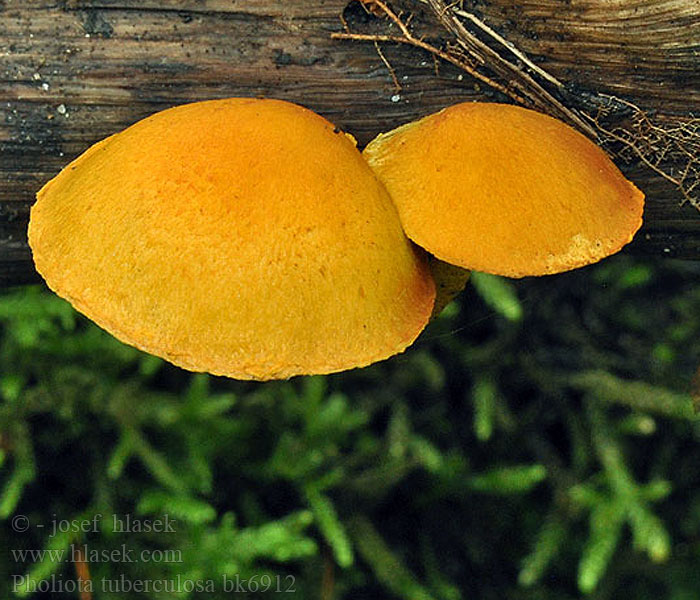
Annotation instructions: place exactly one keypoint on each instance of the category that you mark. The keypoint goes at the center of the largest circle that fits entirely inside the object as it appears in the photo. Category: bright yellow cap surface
(242, 237)
(505, 190)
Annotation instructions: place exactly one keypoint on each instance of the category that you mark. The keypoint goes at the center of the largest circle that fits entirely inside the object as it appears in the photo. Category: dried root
(670, 149)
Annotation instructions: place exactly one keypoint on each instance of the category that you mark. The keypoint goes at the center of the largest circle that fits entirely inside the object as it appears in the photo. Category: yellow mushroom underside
(450, 281)
(501, 189)
(241, 237)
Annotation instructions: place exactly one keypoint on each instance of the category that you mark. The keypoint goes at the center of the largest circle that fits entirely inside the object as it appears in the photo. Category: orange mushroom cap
(242, 237)
(505, 190)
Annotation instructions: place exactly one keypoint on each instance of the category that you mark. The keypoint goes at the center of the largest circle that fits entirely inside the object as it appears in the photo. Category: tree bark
(74, 71)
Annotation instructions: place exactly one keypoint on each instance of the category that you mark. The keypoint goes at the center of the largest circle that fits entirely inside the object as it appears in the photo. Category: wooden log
(74, 71)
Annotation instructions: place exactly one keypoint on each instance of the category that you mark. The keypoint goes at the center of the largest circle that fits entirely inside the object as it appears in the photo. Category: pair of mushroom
(250, 238)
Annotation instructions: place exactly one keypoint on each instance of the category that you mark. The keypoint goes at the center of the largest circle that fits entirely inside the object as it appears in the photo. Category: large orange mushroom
(242, 237)
(502, 189)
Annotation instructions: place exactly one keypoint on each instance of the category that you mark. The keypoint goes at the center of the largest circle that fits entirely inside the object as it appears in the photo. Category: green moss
(538, 441)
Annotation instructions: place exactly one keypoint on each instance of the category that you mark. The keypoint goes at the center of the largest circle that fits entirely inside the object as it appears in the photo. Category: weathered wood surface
(75, 71)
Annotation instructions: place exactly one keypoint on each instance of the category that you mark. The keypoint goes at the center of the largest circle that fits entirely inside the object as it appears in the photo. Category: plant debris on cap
(506, 190)
(241, 237)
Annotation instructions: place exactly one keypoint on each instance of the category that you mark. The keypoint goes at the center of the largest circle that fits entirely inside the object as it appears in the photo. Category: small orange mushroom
(242, 237)
(505, 190)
